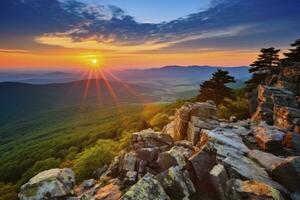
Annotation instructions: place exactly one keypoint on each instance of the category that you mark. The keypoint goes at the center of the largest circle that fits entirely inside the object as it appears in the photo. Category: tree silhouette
(266, 65)
(215, 89)
(293, 55)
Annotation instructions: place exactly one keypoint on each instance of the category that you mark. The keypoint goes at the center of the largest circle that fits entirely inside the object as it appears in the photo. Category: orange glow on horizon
(81, 61)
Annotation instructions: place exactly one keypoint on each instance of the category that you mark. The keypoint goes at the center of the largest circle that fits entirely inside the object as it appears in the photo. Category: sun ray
(126, 86)
(110, 89)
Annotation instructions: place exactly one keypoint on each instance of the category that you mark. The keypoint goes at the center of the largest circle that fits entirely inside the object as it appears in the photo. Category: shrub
(93, 158)
(238, 108)
(159, 120)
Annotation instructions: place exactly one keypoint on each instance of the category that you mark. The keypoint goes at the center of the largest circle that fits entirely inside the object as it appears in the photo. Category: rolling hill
(21, 99)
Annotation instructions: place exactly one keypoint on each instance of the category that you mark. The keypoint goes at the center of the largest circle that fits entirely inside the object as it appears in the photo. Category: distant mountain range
(175, 71)
(199, 73)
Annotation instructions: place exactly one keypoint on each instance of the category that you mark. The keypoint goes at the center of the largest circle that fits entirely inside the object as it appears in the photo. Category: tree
(266, 65)
(294, 54)
(215, 89)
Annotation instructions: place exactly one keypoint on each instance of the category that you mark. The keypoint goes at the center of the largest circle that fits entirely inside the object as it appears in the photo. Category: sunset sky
(68, 34)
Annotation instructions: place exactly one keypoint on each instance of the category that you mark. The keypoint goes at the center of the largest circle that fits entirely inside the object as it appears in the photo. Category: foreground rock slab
(50, 184)
(148, 188)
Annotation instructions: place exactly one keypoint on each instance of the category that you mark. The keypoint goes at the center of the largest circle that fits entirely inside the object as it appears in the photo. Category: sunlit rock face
(50, 184)
(190, 119)
(289, 78)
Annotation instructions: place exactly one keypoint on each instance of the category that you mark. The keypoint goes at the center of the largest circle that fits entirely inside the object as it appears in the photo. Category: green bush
(93, 158)
(238, 108)
(159, 120)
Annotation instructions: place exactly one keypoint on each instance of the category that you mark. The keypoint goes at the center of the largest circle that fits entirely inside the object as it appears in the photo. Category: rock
(169, 129)
(177, 183)
(241, 190)
(128, 162)
(233, 119)
(295, 196)
(241, 167)
(195, 125)
(130, 177)
(292, 140)
(109, 192)
(142, 168)
(268, 137)
(148, 188)
(290, 78)
(147, 154)
(266, 160)
(286, 117)
(270, 97)
(288, 173)
(88, 183)
(194, 116)
(185, 144)
(150, 139)
(203, 161)
(226, 138)
(100, 171)
(113, 169)
(177, 155)
(218, 177)
(53, 183)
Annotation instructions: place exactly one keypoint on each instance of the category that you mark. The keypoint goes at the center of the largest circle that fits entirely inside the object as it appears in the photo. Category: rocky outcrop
(191, 118)
(50, 184)
(289, 77)
(270, 100)
(195, 157)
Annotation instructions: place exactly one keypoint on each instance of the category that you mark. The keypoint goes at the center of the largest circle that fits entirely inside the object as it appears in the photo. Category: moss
(30, 192)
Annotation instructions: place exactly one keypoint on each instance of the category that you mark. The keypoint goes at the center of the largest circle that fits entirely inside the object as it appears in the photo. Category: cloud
(73, 24)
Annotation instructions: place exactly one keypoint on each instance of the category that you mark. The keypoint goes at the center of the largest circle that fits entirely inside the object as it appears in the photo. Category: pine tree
(293, 55)
(266, 65)
(215, 89)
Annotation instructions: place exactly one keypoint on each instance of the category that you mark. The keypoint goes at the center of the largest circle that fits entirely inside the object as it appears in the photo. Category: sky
(69, 34)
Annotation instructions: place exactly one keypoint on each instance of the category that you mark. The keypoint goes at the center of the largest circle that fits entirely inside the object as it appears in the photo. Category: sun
(94, 61)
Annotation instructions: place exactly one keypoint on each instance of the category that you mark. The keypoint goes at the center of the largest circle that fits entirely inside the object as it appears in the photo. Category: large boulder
(177, 183)
(148, 188)
(50, 184)
(269, 138)
(287, 173)
(252, 190)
